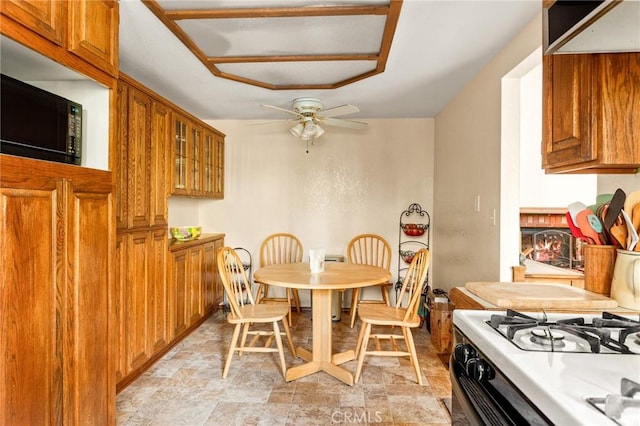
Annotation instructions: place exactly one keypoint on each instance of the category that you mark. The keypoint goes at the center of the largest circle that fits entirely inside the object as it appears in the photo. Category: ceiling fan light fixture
(297, 130)
(319, 131)
(310, 128)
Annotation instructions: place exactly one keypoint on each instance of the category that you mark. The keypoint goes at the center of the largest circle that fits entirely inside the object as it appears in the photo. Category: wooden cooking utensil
(635, 220)
(619, 232)
(615, 205)
(602, 213)
(633, 198)
(613, 213)
(585, 223)
(632, 234)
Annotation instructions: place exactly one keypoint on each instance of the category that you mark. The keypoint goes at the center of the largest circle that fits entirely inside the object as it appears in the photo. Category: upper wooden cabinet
(141, 159)
(86, 28)
(160, 151)
(93, 32)
(46, 18)
(591, 118)
(198, 159)
(180, 156)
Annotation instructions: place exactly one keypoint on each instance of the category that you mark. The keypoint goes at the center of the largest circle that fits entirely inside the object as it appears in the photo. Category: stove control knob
(463, 353)
(478, 369)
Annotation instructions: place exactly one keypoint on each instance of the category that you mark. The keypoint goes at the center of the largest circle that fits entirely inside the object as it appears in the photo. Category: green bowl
(186, 233)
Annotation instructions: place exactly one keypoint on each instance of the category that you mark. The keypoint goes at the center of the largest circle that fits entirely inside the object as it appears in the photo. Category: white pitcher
(316, 260)
(625, 285)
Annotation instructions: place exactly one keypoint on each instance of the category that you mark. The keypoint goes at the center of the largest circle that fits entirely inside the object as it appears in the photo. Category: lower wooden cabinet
(141, 298)
(56, 337)
(212, 286)
(163, 290)
(194, 284)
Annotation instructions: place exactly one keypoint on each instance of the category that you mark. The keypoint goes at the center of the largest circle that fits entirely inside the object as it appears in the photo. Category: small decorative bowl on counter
(407, 256)
(414, 229)
(186, 233)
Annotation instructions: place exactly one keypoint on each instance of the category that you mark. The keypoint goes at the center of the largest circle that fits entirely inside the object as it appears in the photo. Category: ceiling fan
(309, 115)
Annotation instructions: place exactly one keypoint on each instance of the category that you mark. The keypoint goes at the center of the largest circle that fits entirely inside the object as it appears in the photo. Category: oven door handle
(483, 410)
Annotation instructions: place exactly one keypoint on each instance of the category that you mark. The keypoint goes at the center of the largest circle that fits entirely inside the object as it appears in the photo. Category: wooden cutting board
(538, 296)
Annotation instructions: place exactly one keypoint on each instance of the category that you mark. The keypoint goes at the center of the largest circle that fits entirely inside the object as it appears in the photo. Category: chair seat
(260, 313)
(386, 315)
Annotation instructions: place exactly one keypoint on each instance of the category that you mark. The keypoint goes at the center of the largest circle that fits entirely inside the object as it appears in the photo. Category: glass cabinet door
(208, 163)
(195, 158)
(180, 156)
(219, 167)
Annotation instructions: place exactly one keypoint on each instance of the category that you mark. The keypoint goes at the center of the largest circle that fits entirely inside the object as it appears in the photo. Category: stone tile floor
(186, 387)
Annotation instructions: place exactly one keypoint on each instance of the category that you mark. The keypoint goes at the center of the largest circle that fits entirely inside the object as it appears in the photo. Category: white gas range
(525, 368)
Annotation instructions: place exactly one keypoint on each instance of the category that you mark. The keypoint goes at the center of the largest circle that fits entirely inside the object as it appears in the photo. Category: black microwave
(38, 124)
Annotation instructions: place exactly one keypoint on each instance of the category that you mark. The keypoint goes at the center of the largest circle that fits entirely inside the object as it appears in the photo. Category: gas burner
(547, 337)
(608, 334)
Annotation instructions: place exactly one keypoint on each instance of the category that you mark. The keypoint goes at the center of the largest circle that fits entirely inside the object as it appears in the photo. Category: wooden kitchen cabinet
(136, 303)
(180, 157)
(213, 291)
(218, 183)
(118, 160)
(195, 288)
(160, 149)
(93, 32)
(194, 153)
(56, 319)
(591, 119)
(178, 290)
(86, 28)
(140, 298)
(138, 161)
(198, 159)
(45, 18)
(142, 159)
(158, 312)
(161, 294)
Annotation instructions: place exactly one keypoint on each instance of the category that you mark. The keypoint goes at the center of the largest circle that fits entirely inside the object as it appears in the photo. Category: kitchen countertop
(204, 238)
(461, 296)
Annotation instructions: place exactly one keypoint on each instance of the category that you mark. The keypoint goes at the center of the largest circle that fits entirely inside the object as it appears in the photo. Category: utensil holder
(599, 261)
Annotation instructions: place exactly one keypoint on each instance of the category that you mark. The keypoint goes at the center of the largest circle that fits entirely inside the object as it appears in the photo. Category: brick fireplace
(545, 237)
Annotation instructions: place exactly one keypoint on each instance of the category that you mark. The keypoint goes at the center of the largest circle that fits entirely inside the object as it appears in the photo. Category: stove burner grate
(551, 336)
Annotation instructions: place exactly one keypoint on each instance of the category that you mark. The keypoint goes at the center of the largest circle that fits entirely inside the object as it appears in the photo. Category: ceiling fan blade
(288, 111)
(272, 122)
(343, 123)
(339, 110)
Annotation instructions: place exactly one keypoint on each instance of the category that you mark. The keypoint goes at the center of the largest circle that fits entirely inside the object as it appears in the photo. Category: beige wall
(350, 182)
(468, 164)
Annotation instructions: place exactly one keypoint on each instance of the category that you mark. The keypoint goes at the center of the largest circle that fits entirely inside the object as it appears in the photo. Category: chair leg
(243, 341)
(363, 351)
(276, 333)
(360, 336)
(234, 341)
(260, 292)
(408, 337)
(287, 332)
(385, 294)
(296, 298)
(355, 295)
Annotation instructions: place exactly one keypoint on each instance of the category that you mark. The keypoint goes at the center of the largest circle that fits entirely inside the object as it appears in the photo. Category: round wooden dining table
(336, 276)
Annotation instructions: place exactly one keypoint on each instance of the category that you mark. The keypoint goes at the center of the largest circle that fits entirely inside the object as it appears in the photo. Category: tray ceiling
(284, 45)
